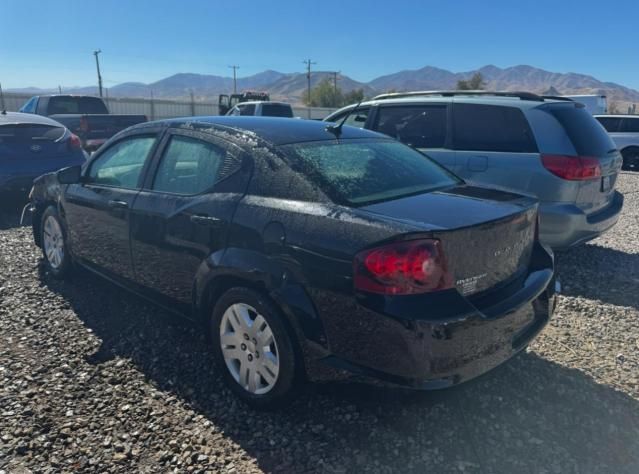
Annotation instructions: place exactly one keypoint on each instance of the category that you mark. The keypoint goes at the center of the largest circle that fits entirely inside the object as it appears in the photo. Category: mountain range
(291, 87)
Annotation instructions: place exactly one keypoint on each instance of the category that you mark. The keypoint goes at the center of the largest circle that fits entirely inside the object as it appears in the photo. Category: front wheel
(54, 243)
(630, 159)
(254, 348)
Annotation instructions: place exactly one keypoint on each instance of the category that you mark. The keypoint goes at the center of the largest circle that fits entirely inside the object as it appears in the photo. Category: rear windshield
(360, 172)
(76, 105)
(26, 132)
(276, 110)
(586, 134)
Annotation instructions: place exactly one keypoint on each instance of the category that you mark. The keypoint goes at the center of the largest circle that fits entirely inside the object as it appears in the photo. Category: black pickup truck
(86, 116)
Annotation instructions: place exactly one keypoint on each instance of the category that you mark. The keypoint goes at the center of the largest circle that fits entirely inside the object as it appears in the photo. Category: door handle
(204, 220)
(115, 204)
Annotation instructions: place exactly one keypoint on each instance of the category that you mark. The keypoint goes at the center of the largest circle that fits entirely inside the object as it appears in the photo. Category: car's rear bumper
(441, 340)
(565, 225)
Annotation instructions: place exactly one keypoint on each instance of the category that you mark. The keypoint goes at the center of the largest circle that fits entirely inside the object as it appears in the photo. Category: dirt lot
(95, 380)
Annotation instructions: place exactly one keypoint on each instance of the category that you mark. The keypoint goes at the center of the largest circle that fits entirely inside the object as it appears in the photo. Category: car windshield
(359, 172)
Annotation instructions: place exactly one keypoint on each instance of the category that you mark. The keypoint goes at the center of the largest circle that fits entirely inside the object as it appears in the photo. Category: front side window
(630, 125)
(492, 128)
(611, 124)
(357, 119)
(359, 172)
(189, 166)
(248, 109)
(417, 126)
(121, 164)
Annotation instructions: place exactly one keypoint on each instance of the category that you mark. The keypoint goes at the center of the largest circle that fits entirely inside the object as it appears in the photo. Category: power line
(97, 65)
(235, 68)
(308, 63)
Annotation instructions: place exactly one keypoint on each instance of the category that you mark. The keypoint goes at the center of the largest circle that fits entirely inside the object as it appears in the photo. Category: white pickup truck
(263, 109)
(624, 131)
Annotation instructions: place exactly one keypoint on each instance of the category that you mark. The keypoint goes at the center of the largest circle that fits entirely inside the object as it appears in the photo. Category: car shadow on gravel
(10, 209)
(530, 415)
(600, 273)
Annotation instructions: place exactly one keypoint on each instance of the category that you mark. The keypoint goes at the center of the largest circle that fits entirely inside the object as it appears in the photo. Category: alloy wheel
(53, 242)
(249, 348)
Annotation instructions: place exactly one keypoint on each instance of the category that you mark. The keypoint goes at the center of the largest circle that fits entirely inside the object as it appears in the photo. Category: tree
(476, 82)
(613, 107)
(325, 94)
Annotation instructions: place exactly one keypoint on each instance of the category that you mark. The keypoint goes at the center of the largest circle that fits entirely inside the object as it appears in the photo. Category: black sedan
(309, 252)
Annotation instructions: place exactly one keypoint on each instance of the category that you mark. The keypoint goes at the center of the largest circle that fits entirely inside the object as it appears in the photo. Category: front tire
(630, 159)
(54, 243)
(254, 348)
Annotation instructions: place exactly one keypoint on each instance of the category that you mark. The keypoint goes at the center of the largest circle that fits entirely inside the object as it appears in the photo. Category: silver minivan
(551, 148)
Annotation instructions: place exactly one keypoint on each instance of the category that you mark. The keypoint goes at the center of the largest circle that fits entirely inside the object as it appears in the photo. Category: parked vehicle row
(86, 116)
(305, 249)
(552, 149)
(263, 109)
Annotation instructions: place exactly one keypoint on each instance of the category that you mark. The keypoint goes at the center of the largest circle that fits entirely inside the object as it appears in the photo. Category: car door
(182, 215)
(494, 146)
(97, 209)
(422, 126)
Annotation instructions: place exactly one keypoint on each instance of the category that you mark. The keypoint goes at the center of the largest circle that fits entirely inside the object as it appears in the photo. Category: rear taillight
(402, 268)
(573, 168)
(74, 142)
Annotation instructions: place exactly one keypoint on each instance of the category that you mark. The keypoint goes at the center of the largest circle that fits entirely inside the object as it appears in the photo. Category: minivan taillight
(402, 268)
(573, 168)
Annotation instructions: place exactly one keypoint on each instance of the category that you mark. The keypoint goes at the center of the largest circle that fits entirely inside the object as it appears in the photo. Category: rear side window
(417, 126)
(76, 105)
(630, 125)
(611, 124)
(363, 171)
(189, 166)
(276, 110)
(585, 133)
(492, 128)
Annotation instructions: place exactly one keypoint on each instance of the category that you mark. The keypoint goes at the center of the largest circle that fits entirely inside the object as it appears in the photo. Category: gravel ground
(95, 380)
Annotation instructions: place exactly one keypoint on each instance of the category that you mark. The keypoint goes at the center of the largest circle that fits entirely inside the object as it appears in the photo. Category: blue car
(31, 145)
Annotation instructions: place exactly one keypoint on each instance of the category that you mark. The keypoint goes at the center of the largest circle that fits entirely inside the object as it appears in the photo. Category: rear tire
(254, 349)
(54, 241)
(630, 159)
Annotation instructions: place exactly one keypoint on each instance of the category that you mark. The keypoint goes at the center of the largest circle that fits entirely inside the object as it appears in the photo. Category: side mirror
(360, 118)
(70, 175)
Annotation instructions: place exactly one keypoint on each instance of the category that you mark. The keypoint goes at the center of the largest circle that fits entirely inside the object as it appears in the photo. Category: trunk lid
(28, 141)
(487, 235)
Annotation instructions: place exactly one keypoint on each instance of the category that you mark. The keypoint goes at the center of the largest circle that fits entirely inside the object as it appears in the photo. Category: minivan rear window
(276, 110)
(491, 128)
(359, 172)
(586, 134)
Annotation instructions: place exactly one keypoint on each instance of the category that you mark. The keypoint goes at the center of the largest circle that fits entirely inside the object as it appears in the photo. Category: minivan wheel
(253, 348)
(630, 159)
(54, 243)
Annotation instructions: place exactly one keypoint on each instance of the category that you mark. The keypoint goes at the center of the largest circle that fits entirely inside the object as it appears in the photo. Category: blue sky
(46, 43)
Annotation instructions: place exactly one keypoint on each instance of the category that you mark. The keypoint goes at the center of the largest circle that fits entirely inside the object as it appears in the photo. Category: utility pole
(308, 63)
(59, 89)
(97, 65)
(335, 73)
(3, 107)
(235, 68)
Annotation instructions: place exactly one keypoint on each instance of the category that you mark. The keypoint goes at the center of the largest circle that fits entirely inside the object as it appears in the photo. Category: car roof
(630, 116)
(18, 117)
(275, 130)
(263, 102)
(464, 99)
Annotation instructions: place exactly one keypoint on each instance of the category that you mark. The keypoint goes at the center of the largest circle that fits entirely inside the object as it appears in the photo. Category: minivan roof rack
(515, 94)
